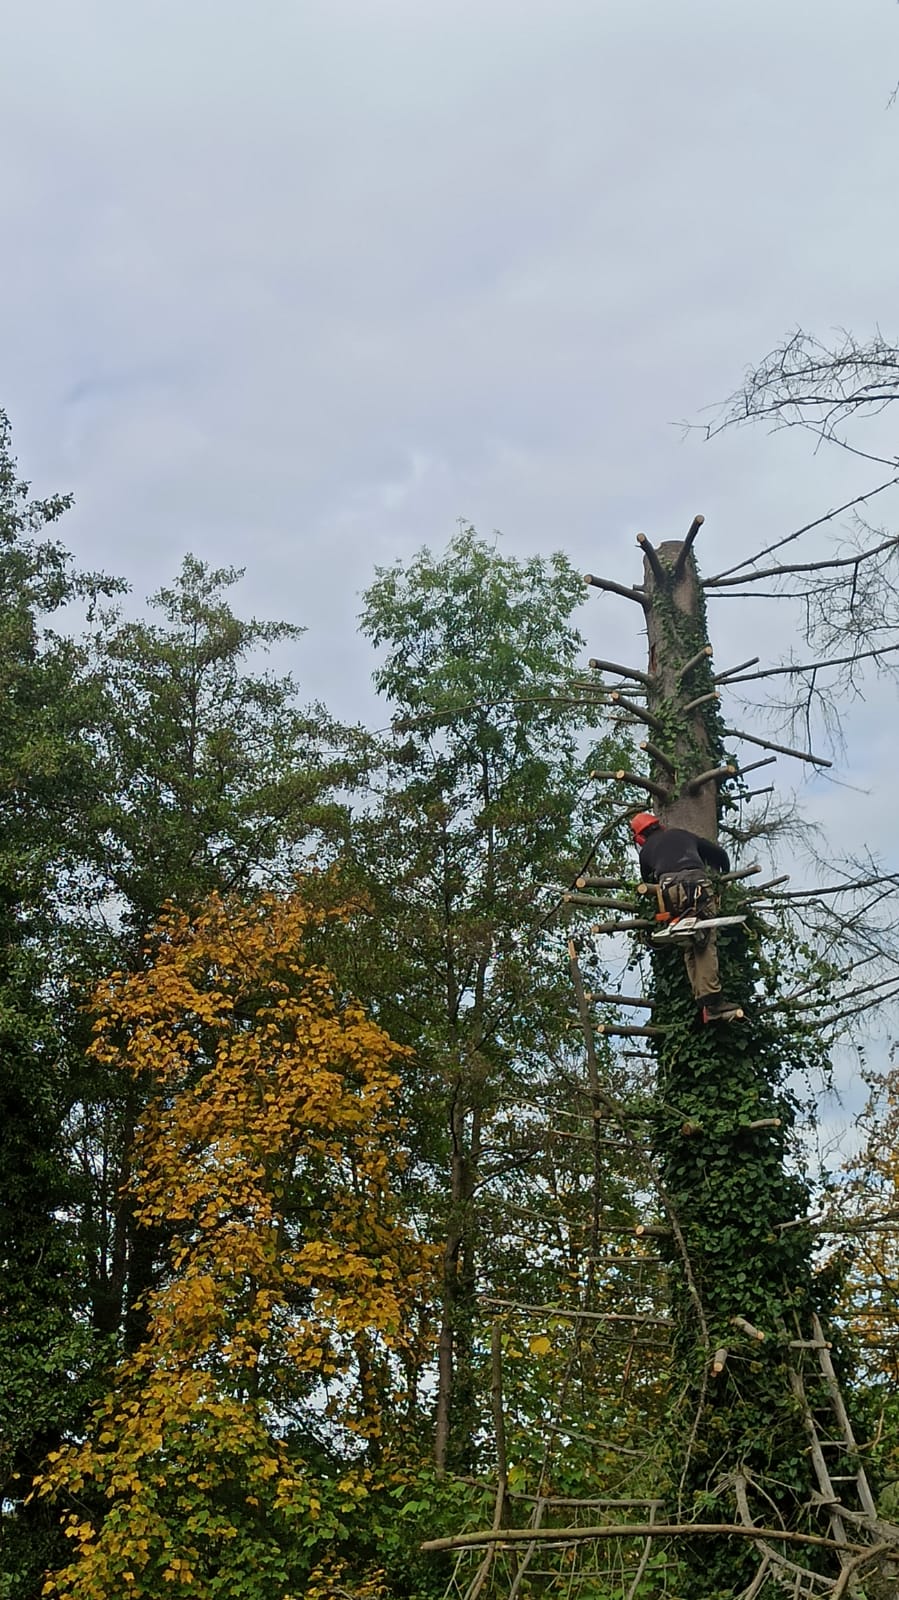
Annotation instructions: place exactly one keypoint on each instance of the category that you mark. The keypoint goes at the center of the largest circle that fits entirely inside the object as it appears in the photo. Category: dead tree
(723, 1125)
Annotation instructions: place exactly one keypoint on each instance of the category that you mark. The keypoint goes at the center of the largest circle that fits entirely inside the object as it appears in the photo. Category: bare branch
(813, 666)
(640, 1530)
(807, 527)
(782, 749)
(807, 566)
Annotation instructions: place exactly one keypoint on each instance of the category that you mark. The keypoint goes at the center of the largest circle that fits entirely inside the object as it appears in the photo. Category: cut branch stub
(748, 1328)
(596, 665)
(681, 562)
(657, 790)
(714, 775)
(649, 552)
(616, 588)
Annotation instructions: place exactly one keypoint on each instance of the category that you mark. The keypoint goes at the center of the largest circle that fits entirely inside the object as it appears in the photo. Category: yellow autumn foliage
(265, 1158)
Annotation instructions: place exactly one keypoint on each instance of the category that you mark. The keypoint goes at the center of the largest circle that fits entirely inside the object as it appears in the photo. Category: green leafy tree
(49, 710)
(482, 800)
(213, 779)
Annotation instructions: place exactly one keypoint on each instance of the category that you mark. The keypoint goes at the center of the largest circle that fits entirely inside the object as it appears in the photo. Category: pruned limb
(638, 782)
(781, 749)
(639, 1530)
(630, 926)
(753, 794)
(722, 677)
(621, 672)
(701, 655)
(597, 996)
(686, 547)
(649, 550)
(650, 1230)
(714, 775)
(570, 898)
(741, 872)
(659, 756)
(587, 881)
(622, 1030)
(762, 888)
(640, 712)
(701, 700)
(748, 1328)
(761, 1122)
(719, 1361)
(617, 588)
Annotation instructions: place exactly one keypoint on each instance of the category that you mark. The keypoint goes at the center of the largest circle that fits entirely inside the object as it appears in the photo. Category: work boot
(716, 1009)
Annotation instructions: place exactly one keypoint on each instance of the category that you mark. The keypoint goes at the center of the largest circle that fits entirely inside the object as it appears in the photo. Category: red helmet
(642, 824)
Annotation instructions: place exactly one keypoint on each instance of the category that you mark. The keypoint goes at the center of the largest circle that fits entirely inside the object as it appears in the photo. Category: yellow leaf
(540, 1346)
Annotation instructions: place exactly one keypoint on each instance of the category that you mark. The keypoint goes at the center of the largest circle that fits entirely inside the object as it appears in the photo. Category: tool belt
(694, 897)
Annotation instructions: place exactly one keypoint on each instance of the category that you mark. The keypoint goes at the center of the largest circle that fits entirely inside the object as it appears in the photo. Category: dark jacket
(675, 850)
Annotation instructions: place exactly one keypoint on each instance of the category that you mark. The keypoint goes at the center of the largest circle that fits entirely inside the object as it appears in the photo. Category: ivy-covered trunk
(722, 1123)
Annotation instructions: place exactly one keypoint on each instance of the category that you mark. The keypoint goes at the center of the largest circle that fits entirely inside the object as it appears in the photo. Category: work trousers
(684, 895)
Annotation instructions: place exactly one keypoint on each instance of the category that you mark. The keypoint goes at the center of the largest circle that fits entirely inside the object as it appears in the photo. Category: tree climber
(679, 861)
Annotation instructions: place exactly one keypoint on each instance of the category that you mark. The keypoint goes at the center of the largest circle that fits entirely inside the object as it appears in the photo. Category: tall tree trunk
(724, 1182)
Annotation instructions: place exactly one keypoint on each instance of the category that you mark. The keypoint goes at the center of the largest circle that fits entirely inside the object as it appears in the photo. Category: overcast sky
(296, 284)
